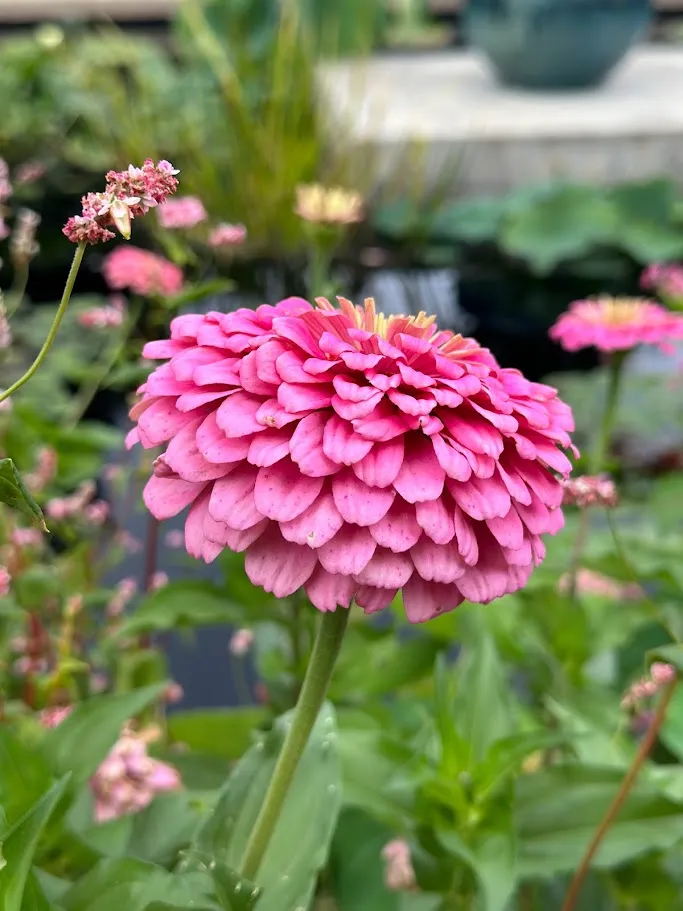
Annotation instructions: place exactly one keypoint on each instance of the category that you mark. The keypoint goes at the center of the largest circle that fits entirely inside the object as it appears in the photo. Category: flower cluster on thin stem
(660, 675)
(590, 490)
(127, 195)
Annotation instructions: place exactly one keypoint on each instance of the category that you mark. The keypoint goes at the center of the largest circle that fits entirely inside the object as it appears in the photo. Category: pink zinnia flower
(182, 212)
(142, 272)
(353, 454)
(616, 324)
(225, 235)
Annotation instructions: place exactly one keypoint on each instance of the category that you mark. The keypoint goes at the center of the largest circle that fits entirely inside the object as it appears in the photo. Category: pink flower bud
(225, 235)
(662, 673)
(241, 642)
(5, 581)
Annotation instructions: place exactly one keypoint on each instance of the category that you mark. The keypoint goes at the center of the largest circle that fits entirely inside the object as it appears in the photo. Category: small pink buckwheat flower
(109, 317)
(660, 675)
(53, 716)
(142, 272)
(29, 172)
(158, 580)
(125, 592)
(27, 537)
(174, 539)
(616, 324)
(128, 779)
(399, 875)
(5, 582)
(127, 195)
(240, 642)
(5, 184)
(181, 213)
(589, 490)
(225, 235)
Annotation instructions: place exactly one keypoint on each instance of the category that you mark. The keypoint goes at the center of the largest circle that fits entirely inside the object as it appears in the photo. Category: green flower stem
(318, 675)
(615, 373)
(15, 295)
(597, 459)
(61, 310)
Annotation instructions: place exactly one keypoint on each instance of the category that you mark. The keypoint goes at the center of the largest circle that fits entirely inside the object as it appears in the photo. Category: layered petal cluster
(616, 324)
(353, 454)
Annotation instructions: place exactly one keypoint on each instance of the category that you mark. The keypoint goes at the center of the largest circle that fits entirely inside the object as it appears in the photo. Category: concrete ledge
(629, 128)
(114, 10)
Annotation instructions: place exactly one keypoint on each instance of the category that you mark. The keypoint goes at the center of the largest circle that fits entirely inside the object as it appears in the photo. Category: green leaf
(115, 885)
(24, 775)
(300, 842)
(473, 220)
(19, 844)
(482, 708)
(14, 493)
(369, 667)
(180, 605)
(217, 732)
(356, 865)
(81, 741)
(491, 854)
(562, 225)
(558, 810)
(645, 226)
(165, 827)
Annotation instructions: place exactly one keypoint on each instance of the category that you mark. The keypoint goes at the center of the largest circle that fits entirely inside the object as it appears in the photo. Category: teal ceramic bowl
(555, 44)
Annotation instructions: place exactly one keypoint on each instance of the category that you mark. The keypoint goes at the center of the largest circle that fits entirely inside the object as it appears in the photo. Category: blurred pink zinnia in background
(142, 272)
(181, 212)
(616, 324)
(225, 235)
(353, 454)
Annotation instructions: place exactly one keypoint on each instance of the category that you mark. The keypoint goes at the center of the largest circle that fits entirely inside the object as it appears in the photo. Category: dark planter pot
(555, 44)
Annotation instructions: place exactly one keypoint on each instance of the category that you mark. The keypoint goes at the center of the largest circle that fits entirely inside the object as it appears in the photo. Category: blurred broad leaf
(356, 865)
(15, 494)
(217, 732)
(24, 775)
(557, 811)
(302, 836)
(567, 223)
(19, 844)
(179, 605)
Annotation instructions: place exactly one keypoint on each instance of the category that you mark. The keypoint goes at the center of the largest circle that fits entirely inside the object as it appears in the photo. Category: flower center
(618, 310)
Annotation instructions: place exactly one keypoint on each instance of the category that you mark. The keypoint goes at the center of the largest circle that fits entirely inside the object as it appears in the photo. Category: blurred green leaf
(19, 844)
(564, 224)
(356, 865)
(300, 843)
(217, 732)
(115, 885)
(15, 494)
(24, 775)
(557, 811)
(179, 605)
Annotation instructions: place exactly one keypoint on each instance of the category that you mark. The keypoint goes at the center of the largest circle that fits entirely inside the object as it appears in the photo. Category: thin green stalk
(102, 370)
(320, 261)
(15, 295)
(61, 310)
(615, 373)
(318, 675)
(597, 460)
